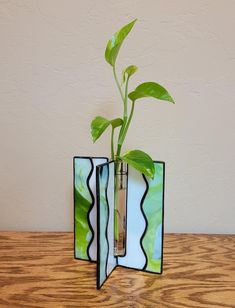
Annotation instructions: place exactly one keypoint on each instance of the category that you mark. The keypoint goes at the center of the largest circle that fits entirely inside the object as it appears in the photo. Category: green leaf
(99, 125)
(151, 89)
(116, 122)
(140, 161)
(115, 43)
(130, 70)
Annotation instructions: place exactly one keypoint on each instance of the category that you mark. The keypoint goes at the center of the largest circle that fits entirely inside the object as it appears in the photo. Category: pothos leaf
(151, 89)
(140, 161)
(99, 125)
(130, 70)
(116, 122)
(115, 43)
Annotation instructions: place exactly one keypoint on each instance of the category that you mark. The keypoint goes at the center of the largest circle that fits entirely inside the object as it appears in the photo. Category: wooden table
(38, 270)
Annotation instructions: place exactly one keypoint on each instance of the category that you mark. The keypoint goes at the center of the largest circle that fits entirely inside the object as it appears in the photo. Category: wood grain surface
(38, 270)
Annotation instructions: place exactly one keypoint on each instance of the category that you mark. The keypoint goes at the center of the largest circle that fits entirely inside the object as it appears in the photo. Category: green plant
(136, 158)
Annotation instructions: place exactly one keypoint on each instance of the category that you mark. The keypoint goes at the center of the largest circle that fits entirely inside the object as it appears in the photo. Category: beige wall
(54, 80)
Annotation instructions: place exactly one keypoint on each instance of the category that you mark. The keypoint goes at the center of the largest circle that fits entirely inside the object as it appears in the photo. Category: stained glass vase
(118, 216)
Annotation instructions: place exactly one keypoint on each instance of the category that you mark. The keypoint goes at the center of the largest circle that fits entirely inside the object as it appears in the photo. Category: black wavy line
(90, 208)
(106, 229)
(146, 222)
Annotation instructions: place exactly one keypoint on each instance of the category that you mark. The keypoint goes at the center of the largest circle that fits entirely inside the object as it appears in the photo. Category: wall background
(54, 80)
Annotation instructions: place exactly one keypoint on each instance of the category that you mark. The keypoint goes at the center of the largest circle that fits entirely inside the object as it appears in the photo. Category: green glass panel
(153, 210)
(82, 204)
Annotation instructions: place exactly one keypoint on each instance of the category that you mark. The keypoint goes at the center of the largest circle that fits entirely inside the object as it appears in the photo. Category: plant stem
(122, 138)
(126, 98)
(123, 99)
(112, 144)
(125, 117)
(118, 84)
